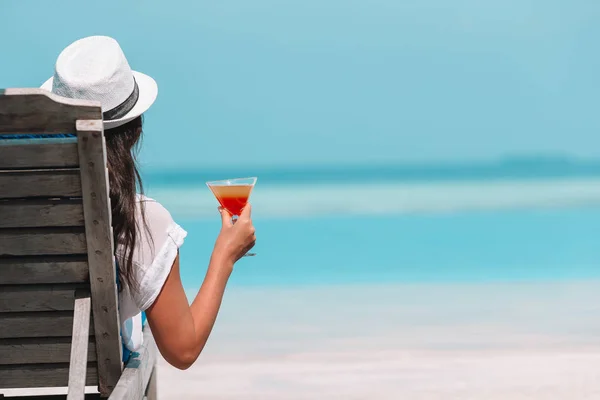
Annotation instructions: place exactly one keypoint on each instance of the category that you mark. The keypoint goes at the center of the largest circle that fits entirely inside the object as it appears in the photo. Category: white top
(153, 258)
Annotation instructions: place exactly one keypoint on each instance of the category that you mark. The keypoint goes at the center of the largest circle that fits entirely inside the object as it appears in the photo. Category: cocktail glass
(233, 195)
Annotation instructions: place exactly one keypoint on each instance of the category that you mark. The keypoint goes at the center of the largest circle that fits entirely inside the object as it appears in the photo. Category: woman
(147, 240)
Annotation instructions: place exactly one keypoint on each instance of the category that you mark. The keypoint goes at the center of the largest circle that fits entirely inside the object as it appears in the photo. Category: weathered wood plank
(36, 324)
(137, 372)
(152, 389)
(97, 211)
(88, 396)
(39, 111)
(38, 298)
(32, 270)
(41, 350)
(42, 241)
(41, 375)
(38, 153)
(40, 213)
(79, 348)
(40, 183)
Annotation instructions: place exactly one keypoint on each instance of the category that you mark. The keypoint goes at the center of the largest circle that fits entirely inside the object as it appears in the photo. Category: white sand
(500, 341)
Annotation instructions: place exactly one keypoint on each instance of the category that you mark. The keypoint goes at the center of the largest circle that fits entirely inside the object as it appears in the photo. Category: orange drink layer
(232, 197)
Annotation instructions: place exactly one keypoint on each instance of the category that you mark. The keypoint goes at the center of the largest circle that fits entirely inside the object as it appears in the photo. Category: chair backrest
(55, 244)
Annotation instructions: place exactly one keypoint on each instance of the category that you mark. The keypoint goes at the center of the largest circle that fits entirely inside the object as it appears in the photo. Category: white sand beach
(480, 341)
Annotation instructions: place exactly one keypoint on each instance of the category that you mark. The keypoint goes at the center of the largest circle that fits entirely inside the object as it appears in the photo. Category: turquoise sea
(527, 220)
(345, 112)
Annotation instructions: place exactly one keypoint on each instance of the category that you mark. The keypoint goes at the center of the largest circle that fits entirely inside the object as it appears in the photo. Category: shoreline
(494, 341)
(532, 340)
(555, 375)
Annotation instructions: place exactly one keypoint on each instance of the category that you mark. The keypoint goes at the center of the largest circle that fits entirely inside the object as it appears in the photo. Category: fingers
(225, 217)
(249, 246)
(246, 212)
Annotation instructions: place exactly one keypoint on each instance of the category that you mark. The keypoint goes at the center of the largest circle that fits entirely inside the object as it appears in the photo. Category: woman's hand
(235, 239)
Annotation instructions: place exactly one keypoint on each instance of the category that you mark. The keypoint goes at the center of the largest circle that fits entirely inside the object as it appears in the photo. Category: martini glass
(233, 195)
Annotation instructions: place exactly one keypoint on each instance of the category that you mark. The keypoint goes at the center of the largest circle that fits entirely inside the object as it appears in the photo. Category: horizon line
(551, 160)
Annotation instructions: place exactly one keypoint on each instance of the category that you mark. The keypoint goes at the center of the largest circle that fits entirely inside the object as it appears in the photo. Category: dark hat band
(122, 109)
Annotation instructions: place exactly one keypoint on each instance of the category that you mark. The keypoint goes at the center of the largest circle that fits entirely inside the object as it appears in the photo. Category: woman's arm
(181, 330)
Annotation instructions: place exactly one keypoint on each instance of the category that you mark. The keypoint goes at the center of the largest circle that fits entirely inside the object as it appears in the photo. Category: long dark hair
(122, 144)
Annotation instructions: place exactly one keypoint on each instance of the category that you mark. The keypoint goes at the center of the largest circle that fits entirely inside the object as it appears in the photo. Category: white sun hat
(95, 68)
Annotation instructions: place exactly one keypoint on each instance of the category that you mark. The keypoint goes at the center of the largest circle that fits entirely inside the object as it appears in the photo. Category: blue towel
(38, 136)
(126, 352)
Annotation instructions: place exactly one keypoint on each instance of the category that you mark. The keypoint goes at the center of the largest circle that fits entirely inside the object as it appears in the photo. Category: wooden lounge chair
(59, 321)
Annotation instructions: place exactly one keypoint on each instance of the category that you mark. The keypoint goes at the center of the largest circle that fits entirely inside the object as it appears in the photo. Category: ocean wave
(289, 201)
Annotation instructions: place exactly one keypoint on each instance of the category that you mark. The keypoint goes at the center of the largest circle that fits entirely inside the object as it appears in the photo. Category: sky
(335, 82)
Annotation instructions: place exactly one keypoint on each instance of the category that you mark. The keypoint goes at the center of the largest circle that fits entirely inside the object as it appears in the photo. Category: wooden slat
(79, 348)
(88, 396)
(32, 270)
(41, 241)
(40, 183)
(38, 153)
(137, 372)
(37, 298)
(39, 111)
(152, 389)
(41, 375)
(97, 211)
(41, 350)
(36, 324)
(40, 213)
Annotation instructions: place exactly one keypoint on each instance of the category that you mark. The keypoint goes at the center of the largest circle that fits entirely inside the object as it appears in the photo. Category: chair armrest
(138, 370)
